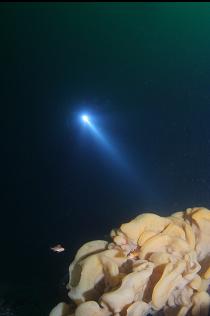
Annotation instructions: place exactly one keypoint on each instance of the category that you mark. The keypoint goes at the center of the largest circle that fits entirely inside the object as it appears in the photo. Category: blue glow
(138, 177)
(99, 135)
(85, 119)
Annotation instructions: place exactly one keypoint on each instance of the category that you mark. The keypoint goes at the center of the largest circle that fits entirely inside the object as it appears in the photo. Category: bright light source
(85, 118)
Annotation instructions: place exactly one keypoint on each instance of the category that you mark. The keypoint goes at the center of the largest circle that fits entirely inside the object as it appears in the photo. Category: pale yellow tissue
(138, 309)
(168, 281)
(91, 308)
(144, 222)
(131, 284)
(201, 302)
(152, 265)
(62, 309)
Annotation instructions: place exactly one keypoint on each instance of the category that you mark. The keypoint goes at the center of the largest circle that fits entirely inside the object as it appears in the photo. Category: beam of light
(115, 155)
(138, 178)
(85, 118)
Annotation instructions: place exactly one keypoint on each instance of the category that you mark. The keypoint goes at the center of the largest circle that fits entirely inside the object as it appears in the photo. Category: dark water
(143, 72)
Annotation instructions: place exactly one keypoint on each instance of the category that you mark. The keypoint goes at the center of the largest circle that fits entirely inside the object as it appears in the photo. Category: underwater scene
(105, 113)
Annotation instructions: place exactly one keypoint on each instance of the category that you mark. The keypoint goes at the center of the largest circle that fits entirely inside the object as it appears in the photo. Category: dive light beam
(114, 153)
(139, 179)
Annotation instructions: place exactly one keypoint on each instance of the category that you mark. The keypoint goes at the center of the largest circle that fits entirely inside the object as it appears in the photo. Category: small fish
(57, 248)
(134, 253)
